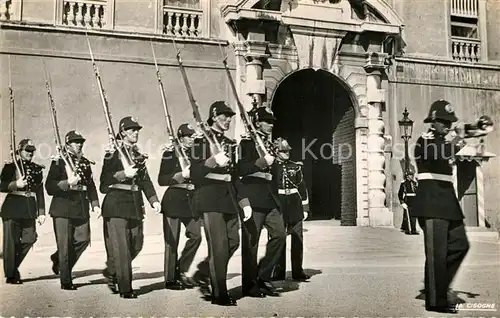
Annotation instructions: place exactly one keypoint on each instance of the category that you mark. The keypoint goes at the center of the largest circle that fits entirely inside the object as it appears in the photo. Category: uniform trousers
(251, 270)
(171, 234)
(297, 252)
(124, 239)
(446, 246)
(72, 239)
(413, 221)
(221, 231)
(19, 235)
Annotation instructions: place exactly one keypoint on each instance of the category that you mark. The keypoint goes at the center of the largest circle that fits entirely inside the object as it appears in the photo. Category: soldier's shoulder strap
(38, 165)
(299, 163)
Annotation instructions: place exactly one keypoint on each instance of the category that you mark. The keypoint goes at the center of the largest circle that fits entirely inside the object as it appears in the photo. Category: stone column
(379, 214)
(254, 87)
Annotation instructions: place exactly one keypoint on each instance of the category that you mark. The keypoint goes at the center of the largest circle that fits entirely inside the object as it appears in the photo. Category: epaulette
(428, 135)
(88, 160)
(110, 150)
(55, 157)
(38, 165)
(8, 162)
(300, 163)
(167, 147)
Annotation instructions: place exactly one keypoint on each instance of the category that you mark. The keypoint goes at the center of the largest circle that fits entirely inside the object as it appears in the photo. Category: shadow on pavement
(453, 296)
(77, 274)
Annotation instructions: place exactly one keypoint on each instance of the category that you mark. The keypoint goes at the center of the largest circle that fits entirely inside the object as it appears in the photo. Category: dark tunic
(19, 206)
(289, 178)
(120, 203)
(176, 200)
(71, 201)
(435, 198)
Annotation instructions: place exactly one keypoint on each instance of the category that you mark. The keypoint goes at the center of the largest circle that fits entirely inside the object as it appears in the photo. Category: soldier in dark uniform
(176, 209)
(217, 198)
(292, 193)
(256, 177)
(73, 192)
(406, 195)
(123, 207)
(437, 208)
(24, 203)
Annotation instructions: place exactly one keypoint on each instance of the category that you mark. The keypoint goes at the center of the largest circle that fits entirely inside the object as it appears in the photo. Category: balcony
(466, 49)
(89, 13)
(182, 22)
(465, 8)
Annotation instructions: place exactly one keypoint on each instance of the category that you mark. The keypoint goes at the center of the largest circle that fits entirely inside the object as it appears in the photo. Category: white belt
(411, 194)
(434, 176)
(219, 176)
(78, 187)
(23, 193)
(288, 191)
(187, 186)
(128, 187)
(262, 175)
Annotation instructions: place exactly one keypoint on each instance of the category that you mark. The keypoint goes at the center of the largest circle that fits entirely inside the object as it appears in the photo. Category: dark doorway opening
(314, 112)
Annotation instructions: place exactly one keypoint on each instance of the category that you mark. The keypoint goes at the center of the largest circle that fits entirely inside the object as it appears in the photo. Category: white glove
(130, 172)
(73, 180)
(305, 215)
(269, 159)
(247, 213)
(221, 159)
(97, 210)
(21, 183)
(41, 219)
(404, 206)
(157, 207)
(186, 173)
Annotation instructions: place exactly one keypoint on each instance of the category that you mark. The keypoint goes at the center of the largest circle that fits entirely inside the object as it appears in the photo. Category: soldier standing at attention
(24, 203)
(406, 195)
(176, 209)
(123, 207)
(292, 193)
(72, 195)
(256, 177)
(437, 208)
(217, 198)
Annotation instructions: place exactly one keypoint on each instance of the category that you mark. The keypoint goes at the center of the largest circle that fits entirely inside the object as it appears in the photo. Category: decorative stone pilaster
(379, 214)
(254, 88)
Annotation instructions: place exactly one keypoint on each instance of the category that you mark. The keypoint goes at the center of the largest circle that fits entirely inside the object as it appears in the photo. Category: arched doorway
(315, 113)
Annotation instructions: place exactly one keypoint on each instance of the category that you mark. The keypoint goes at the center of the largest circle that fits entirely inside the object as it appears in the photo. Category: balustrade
(84, 13)
(6, 10)
(182, 22)
(466, 50)
(464, 8)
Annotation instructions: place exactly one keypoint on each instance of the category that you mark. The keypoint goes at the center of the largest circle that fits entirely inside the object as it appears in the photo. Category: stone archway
(316, 112)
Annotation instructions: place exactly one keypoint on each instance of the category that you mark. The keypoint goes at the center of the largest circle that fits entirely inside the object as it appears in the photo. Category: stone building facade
(336, 73)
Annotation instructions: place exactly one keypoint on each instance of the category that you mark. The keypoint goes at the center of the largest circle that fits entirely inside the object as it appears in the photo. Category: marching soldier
(256, 177)
(217, 198)
(294, 200)
(437, 208)
(23, 204)
(123, 207)
(406, 195)
(176, 209)
(72, 195)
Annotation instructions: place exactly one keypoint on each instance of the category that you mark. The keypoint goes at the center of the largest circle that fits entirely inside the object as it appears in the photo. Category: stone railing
(182, 22)
(88, 13)
(464, 8)
(6, 10)
(466, 50)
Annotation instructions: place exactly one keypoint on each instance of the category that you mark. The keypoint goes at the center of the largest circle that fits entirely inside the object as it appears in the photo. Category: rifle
(63, 153)
(19, 172)
(215, 146)
(179, 151)
(125, 156)
(259, 144)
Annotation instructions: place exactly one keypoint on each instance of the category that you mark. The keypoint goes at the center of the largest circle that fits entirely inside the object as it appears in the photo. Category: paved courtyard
(357, 271)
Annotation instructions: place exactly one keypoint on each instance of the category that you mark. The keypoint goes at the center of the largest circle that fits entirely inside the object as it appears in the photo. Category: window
(465, 35)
